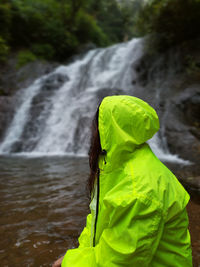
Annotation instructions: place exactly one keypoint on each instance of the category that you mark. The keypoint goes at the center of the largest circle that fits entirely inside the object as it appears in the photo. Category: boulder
(7, 110)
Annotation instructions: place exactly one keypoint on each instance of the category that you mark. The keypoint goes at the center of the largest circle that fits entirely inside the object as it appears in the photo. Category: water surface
(43, 208)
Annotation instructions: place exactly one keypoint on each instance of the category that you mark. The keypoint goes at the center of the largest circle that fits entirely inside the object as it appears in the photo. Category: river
(43, 209)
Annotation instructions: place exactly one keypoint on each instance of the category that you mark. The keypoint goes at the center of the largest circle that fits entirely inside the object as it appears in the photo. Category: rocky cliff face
(7, 109)
(11, 80)
(174, 78)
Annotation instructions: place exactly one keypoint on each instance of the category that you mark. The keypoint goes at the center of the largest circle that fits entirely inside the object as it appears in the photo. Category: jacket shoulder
(153, 179)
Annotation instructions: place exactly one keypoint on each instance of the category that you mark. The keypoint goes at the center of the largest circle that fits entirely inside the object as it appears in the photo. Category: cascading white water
(61, 124)
(15, 130)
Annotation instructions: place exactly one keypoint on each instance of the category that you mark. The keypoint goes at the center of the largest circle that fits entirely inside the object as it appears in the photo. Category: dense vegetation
(56, 29)
(170, 22)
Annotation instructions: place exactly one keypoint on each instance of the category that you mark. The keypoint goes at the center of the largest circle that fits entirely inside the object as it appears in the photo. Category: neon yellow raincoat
(138, 215)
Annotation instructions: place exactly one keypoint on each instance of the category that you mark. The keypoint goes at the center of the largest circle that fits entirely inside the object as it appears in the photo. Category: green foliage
(87, 29)
(171, 21)
(5, 21)
(55, 30)
(110, 18)
(24, 57)
(4, 49)
(43, 51)
(129, 14)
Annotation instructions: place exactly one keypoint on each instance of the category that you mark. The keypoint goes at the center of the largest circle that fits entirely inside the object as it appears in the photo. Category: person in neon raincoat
(138, 209)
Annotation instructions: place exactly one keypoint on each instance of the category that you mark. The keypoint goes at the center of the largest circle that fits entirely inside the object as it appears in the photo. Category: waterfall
(55, 113)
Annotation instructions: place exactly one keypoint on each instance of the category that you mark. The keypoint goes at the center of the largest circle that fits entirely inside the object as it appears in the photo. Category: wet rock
(6, 113)
(16, 147)
(183, 124)
(189, 103)
(173, 89)
(54, 81)
(86, 47)
(11, 79)
(193, 182)
(81, 135)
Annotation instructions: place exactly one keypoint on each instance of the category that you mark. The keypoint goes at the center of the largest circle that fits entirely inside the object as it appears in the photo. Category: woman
(138, 209)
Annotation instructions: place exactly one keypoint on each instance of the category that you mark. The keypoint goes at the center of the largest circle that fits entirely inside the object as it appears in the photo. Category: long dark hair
(94, 152)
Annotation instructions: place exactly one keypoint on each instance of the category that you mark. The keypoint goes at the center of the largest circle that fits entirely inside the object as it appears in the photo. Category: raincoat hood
(125, 122)
(138, 215)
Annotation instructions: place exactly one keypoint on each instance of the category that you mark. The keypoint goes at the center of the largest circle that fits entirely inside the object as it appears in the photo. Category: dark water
(43, 208)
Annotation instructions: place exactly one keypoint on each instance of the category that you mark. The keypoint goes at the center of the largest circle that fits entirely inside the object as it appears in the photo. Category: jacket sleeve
(85, 237)
(131, 238)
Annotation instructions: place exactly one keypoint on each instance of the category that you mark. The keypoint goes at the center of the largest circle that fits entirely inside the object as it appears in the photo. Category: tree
(171, 21)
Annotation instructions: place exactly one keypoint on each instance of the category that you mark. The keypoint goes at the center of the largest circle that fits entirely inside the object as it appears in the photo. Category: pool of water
(43, 208)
